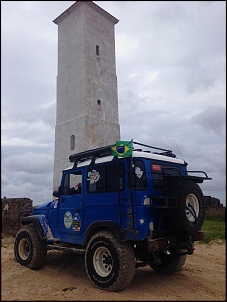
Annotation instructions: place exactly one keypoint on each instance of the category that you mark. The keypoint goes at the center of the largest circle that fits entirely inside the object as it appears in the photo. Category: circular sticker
(68, 220)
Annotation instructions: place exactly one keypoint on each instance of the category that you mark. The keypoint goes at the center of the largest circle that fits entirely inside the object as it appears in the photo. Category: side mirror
(56, 193)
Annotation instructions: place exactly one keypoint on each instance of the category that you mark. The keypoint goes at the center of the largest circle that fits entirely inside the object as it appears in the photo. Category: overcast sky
(171, 70)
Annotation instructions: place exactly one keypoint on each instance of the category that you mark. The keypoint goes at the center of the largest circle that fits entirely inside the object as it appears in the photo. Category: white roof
(157, 157)
(135, 154)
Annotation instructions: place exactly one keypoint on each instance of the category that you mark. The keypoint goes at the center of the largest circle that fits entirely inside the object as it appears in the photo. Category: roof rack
(105, 151)
(90, 154)
(165, 153)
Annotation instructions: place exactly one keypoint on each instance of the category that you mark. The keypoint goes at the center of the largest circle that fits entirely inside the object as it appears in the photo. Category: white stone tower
(87, 99)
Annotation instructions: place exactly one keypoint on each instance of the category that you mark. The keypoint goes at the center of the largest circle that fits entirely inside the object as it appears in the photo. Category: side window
(72, 183)
(158, 173)
(139, 175)
(157, 176)
(96, 179)
(105, 178)
(114, 178)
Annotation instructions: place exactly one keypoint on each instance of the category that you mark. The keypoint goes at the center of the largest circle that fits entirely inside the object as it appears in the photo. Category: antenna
(180, 153)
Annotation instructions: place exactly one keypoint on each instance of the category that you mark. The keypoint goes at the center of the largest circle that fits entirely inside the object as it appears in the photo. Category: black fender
(39, 222)
(104, 225)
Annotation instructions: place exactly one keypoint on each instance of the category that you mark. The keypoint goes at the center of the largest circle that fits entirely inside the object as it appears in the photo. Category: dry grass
(7, 240)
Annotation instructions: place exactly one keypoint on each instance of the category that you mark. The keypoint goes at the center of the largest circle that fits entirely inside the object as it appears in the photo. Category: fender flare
(104, 225)
(40, 223)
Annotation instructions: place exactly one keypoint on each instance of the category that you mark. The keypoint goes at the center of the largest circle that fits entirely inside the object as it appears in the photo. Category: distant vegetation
(214, 225)
(7, 240)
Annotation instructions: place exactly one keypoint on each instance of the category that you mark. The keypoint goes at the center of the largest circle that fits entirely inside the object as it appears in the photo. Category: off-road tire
(29, 249)
(110, 264)
(169, 263)
(188, 217)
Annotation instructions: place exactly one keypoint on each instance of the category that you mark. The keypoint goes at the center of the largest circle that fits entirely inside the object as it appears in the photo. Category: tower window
(97, 50)
(99, 102)
(72, 142)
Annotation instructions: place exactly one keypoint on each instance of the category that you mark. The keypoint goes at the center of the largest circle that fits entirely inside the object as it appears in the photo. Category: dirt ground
(63, 278)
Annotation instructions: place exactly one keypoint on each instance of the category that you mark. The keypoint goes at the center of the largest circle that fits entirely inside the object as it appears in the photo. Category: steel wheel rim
(24, 249)
(102, 261)
(192, 207)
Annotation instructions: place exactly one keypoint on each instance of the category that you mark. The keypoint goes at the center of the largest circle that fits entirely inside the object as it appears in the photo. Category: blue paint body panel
(71, 215)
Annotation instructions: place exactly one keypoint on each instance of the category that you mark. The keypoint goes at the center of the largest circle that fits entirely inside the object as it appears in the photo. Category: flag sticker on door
(76, 222)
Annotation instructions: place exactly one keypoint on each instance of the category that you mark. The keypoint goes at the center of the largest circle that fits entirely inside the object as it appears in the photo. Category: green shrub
(214, 230)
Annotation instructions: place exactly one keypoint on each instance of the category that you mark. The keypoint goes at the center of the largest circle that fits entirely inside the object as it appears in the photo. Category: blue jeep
(121, 211)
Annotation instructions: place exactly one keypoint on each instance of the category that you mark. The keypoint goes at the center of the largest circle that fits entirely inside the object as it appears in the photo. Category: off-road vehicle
(123, 208)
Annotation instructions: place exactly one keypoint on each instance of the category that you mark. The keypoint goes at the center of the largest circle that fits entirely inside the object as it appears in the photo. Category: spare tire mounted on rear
(188, 217)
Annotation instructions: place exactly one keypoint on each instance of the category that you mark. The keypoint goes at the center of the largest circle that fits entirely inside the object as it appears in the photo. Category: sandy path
(63, 277)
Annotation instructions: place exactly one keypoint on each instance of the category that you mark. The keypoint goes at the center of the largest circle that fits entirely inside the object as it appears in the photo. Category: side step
(65, 249)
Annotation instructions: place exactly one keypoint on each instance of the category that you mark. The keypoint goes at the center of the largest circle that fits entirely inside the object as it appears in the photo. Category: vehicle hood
(44, 206)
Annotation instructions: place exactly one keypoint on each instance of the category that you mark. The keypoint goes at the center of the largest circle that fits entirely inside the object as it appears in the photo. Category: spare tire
(188, 216)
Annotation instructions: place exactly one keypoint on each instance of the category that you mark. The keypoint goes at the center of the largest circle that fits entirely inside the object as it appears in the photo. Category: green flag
(122, 148)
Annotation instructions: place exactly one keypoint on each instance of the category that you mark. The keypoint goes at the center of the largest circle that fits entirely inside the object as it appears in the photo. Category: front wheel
(110, 264)
(29, 249)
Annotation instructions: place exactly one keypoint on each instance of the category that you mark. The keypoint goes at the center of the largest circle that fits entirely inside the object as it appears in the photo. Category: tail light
(160, 244)
(199, 236)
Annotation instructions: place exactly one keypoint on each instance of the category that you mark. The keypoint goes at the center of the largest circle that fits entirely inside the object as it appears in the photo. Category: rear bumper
(182, 245)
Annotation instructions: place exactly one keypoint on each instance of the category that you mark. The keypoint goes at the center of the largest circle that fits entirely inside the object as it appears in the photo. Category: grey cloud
(211, 119)
(28, 175)
(30, 163)
(39, 194)
(45, 113)
(202, 78)
(9, 150)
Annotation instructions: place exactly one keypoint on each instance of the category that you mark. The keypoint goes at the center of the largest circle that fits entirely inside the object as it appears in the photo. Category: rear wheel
(29, 249)
(110, 264)
(169, 263)
(188, 217)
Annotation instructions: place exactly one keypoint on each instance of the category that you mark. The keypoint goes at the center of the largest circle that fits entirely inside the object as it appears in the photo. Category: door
(70, 205)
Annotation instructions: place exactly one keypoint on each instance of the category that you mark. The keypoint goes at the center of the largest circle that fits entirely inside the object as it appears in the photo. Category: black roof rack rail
(166, 153)
(98, 152)
(151, 147)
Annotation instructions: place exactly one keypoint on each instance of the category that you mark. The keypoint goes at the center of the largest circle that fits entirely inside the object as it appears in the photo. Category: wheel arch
(102, 226)
(39, 222)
